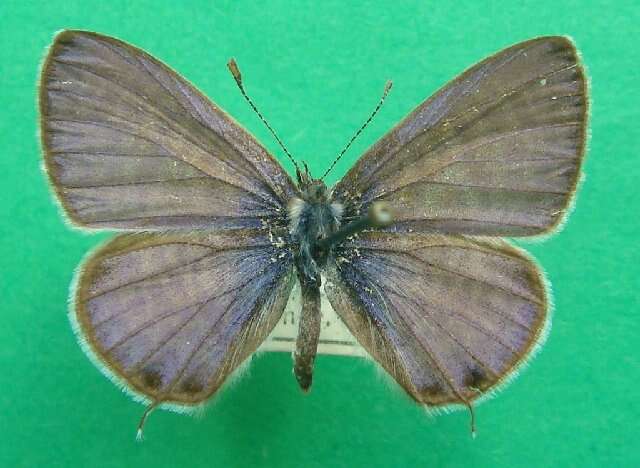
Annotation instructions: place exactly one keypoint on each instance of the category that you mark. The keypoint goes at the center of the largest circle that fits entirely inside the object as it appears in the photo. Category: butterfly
(408, 246)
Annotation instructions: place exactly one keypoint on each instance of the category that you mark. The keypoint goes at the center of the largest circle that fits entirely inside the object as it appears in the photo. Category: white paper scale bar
(335, 338)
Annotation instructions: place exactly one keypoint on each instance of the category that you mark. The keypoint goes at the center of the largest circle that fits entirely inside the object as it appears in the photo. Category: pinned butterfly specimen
(408, 246)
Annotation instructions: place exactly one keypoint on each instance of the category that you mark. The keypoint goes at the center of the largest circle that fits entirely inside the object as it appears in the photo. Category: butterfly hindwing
(129, 144)
(172, 315)
(496, 152)
(448, 317)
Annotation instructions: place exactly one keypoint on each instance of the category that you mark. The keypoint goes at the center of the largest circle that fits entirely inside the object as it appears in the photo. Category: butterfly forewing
(495, 152)
(129, 144)
(172, 315)
(448, 317)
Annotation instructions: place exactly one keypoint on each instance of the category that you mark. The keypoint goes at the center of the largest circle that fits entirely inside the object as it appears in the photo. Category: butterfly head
(311, 190)
(315, 192)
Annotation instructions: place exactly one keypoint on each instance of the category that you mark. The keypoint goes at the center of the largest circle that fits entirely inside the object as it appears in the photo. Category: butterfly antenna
(387, 88)
(235, 71)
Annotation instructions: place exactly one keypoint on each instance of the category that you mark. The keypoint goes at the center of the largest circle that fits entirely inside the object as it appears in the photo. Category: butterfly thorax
(313, 217)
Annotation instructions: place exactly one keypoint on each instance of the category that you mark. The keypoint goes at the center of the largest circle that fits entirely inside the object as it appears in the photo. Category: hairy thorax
(313, 217)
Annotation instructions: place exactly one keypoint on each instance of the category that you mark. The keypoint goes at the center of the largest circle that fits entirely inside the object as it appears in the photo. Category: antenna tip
(235, 71)
(388, 86)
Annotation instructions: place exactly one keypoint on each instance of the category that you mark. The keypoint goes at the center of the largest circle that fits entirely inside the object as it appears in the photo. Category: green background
(316, 71)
